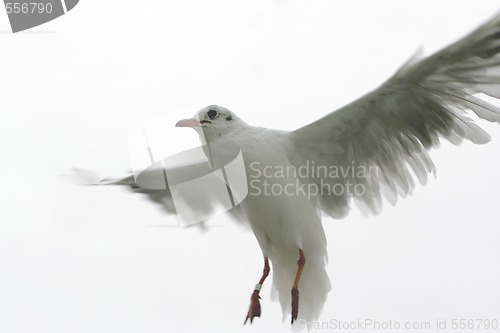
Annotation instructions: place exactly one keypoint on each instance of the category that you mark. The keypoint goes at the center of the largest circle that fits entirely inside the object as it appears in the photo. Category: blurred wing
(154, 182)
(374, 143)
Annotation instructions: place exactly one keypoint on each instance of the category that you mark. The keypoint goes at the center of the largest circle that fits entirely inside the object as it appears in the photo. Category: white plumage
(388, 130)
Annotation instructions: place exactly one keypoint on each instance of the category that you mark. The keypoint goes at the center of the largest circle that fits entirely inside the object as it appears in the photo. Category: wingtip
(84, 177)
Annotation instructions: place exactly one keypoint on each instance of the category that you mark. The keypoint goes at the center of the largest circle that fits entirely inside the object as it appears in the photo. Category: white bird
(365, 151)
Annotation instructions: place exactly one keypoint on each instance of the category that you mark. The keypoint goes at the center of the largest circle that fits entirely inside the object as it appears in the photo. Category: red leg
(295, 290)
(254, 310)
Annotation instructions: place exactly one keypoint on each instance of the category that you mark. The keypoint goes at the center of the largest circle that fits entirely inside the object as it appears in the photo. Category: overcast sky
(86, 259)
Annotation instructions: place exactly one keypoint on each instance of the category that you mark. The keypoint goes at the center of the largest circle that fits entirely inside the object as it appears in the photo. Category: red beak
(188, 123)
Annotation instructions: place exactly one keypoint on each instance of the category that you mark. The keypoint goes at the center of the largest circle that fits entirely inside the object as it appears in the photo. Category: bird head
(212, 121)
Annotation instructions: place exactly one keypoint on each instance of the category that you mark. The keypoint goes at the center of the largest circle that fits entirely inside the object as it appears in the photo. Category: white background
(87, 259)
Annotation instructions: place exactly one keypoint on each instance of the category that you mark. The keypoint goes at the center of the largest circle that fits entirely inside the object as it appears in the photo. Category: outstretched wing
(369, 149)
(161, 185)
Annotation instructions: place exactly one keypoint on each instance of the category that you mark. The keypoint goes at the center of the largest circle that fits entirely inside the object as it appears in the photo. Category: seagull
(367, 152)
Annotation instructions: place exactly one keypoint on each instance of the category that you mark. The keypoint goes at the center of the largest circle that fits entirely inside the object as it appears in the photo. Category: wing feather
(153, 182)
(391, 129)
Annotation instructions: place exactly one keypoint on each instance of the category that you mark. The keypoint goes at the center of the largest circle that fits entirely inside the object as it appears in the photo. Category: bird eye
(212, 114)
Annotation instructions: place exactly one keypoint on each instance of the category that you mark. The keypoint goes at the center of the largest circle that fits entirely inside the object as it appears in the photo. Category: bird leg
(254, 310)
(295, 290)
